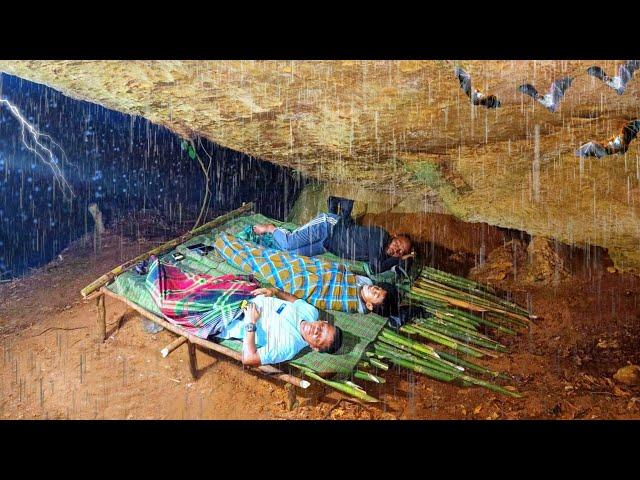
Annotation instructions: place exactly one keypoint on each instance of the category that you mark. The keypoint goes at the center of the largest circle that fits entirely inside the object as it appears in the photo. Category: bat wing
(629, 131)
(626, 71)
(591, 149)
(491, 101)
(597, 72)
(529, 89)
(465, 80)
(558, 89)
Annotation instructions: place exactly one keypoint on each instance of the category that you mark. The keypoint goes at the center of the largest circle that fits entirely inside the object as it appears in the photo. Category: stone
(629, 375)
(401, 130)
(501, 263)
(544, 264)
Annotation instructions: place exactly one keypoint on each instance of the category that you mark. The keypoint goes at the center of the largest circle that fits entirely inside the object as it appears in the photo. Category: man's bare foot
(263, 228)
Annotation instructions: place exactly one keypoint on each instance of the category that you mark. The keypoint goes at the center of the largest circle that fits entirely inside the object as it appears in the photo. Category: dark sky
(122, 163)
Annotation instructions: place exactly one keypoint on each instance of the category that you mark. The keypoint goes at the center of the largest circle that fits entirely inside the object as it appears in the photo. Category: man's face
(373, 295)
(399, 246)
(319, 335)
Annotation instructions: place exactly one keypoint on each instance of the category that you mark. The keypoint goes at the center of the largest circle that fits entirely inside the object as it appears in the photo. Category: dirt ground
(52, 367)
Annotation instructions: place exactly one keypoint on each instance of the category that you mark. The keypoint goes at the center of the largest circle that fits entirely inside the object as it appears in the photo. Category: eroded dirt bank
(589, 326)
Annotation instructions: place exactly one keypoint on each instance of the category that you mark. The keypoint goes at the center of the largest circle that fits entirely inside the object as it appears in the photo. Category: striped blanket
(324, 284)
(197, 302)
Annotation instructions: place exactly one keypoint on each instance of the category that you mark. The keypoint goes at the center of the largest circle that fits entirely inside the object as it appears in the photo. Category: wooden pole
(193, 361)
(101, 331)
(268, 370)
(107, 277)
(291, 396)
(172, 346)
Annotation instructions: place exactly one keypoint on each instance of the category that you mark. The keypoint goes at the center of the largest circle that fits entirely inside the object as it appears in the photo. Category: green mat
(359, 330)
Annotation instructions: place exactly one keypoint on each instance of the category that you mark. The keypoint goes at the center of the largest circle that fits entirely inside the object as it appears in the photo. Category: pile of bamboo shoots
(461, 316)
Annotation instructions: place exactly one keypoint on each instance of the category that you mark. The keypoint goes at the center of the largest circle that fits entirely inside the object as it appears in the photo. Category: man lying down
(325, 284)
(274, 326)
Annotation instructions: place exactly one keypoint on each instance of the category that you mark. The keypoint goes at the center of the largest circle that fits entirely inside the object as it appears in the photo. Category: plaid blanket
(326, 285)
(196, 301)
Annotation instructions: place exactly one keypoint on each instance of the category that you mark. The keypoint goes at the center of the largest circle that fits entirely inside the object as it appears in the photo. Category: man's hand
(408, 255)
(251, 313)
(266, 291)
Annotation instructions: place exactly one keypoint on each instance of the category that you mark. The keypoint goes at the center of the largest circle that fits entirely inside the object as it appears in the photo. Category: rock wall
(401, 134)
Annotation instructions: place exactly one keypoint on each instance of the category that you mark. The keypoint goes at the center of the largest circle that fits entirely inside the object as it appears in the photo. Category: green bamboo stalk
(448, 377)
(352, 385)
(340, 386)
(490, 386)
(448, 282)
(420, 347)
(501, 306)
(449, 313)
(450, 316)
(498, 316)
(405, 348)
(465, 346)
(450, 277)
(463, 336)
(388, 351)
(377, 363)
(432, 301)
(472, 366)
(446, 322)
(469, 340)
(488, 323)
(451, 300)
(441, 339)
(483, 295)
(387, 347)
(368, 377)
(496, 304)
(476, 320)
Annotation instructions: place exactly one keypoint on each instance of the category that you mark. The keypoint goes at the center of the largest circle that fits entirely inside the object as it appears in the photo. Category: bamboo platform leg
(193, 363)
(101, 331)
(172, 346)
(291, 396)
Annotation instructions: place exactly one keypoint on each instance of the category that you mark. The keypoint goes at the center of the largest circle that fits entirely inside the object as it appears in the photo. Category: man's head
(399, 246)
(321, 336)
(380, 298)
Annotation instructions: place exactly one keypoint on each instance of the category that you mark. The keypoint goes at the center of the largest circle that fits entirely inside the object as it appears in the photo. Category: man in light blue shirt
(277, 325)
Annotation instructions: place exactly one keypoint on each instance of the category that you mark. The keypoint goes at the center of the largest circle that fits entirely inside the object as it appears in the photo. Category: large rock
(401, 130)
(544, 264)
(629, 375)
(502, 263)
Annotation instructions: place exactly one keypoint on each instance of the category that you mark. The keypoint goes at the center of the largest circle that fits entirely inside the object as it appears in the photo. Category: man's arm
(275, 292)
(378, 260)
(387, 264)
(250, 355)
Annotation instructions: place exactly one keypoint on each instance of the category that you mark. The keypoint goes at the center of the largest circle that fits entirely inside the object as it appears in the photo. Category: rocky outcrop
(401, 134)
(537, 262)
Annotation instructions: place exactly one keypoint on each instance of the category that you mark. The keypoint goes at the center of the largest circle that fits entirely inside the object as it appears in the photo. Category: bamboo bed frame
(97, 291)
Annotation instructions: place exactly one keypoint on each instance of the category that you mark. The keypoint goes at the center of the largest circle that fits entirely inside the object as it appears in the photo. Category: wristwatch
(250, 327)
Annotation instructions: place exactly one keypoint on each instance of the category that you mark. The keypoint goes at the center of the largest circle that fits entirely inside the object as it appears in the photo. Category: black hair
(390, 305)
(407, 236)
(406, 313)
(337, 342)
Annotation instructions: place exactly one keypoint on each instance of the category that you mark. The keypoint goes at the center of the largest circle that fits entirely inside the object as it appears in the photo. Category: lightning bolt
(40, 149)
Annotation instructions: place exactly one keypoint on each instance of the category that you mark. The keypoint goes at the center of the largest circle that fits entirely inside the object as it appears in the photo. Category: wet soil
(52, 366)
